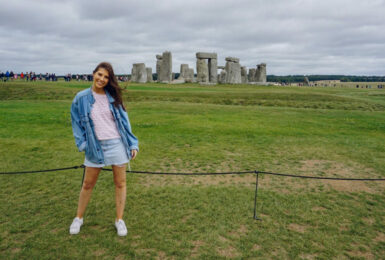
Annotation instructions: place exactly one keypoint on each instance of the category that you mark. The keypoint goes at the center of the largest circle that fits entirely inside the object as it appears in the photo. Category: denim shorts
(114, 154)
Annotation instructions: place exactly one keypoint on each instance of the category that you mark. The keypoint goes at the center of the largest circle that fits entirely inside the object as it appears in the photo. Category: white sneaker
(75, 226)
(121, 227)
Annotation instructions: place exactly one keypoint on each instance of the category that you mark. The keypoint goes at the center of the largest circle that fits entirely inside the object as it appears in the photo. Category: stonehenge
(222, 77)
(186, 74)
(139, 73)
(260, 74)
(202, 71)
(158, 65)
(164, 67)
(251, 75)
(207, 71)
(233, 71)
(149, 74)
(244, 78)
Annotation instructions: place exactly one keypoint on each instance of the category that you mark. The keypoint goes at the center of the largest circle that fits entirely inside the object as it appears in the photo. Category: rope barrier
(49, 170)
(212, 173)
(209, 173)
(320, 177)
(185, 173)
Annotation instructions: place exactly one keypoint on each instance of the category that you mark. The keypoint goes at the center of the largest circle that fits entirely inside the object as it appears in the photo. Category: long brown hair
(112, 86)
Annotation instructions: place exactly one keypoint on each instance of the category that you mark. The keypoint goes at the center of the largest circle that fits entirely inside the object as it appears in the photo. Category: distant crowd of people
(32, 76)
(370, 86)
(88, 77)
(28, 76)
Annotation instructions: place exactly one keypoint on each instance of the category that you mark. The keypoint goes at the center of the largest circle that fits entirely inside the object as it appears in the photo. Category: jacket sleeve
(131, 138)
(77, 128)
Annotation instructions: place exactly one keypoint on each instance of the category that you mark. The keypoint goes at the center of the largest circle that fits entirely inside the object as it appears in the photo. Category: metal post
(256, 195)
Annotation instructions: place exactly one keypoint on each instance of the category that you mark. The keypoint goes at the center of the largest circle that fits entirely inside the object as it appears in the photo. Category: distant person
(22, 75)
(11, 74)
(2, 75)
(102, 129)
(7, 75)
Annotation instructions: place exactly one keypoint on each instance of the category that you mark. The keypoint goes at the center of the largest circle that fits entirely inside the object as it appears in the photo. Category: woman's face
(100, 78)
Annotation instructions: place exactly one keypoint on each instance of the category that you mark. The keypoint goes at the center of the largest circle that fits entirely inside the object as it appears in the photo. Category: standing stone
(213, 70)
(166, 67)
(233, 71)
(244, 75)
(202, 71)
(260, 75)
(209, 75)
(306, 81)
(134, 73)
(185, 73)
(139, 73)
(252, 75)
(190, 75)
(158, 66)
(222, 76)
(149, 74)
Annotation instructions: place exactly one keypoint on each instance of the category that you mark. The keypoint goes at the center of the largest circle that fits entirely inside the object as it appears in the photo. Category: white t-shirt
(101, 115)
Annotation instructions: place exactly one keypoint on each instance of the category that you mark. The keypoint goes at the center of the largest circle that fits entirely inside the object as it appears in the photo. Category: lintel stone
(206, 55)
(232, 59)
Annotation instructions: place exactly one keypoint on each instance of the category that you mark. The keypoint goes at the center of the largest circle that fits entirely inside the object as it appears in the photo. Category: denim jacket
(84, 131)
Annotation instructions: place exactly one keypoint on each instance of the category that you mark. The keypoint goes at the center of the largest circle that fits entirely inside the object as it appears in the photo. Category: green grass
(191, 128)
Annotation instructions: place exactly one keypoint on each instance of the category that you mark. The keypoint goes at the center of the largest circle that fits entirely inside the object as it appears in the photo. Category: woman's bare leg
(120, 189)
(91, 176)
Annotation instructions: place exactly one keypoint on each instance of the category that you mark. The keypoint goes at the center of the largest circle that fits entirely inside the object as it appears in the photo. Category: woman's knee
(120, 183)
(88, 185)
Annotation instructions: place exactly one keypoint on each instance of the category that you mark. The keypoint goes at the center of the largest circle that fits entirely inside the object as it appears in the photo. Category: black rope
(321, 178)
(185, 173)
(49, 170)
(256, 172)
(211, 173)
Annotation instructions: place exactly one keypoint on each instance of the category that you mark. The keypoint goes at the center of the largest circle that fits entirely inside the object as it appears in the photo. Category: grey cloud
(292, 37)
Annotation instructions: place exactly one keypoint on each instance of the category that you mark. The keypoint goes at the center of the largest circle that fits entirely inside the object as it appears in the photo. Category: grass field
(337, 132)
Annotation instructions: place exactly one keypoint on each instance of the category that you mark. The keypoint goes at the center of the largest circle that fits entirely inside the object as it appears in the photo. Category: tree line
(342, 78)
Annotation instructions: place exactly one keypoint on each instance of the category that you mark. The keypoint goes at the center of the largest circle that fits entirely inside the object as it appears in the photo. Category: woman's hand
(133, 154)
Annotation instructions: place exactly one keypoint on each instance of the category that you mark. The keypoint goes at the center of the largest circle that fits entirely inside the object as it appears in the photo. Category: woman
(102, 129)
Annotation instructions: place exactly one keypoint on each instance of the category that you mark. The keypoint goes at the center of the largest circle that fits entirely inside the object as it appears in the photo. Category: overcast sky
(291, 36)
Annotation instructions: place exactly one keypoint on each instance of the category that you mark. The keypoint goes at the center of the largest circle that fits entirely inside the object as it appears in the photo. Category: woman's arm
(77, 128)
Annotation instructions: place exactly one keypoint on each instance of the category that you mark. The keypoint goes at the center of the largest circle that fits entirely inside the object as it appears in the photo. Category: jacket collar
(92, 99)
